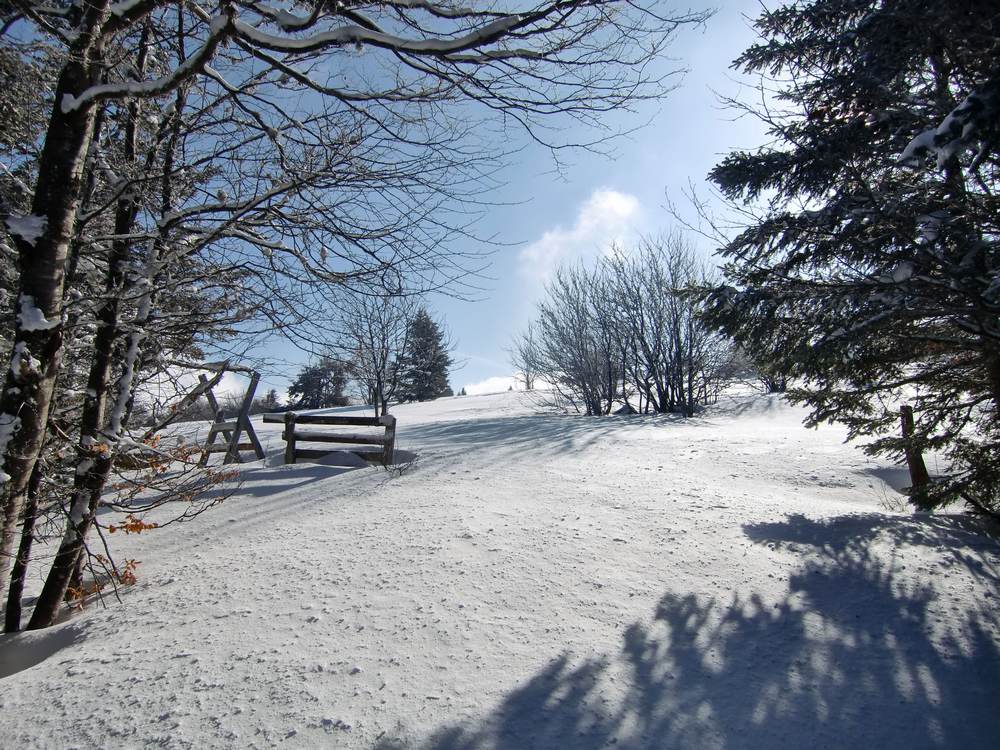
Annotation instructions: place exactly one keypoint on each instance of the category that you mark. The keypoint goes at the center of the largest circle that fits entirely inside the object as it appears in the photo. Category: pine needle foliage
(426, 361)
(872, 274)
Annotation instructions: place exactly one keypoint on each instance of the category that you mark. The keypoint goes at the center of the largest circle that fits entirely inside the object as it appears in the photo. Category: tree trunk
(95, 467)
(919, 478)
(64, 565)
(993, 373)
(38, 346)
(12, 618)
(93, 463)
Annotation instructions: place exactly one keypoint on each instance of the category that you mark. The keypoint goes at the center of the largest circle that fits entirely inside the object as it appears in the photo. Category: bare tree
(524, 357)
(375, 334)
(576, 348)
(676, 363)
(631, 326)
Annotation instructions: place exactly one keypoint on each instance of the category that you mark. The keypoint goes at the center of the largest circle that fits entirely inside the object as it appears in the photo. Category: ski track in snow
(539, 581)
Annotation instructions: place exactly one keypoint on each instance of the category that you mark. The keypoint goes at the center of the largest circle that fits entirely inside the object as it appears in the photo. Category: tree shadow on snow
(20, 651)
(270, 481)
(545, 434)
(853, 655)
(275, 484)
(753, 404)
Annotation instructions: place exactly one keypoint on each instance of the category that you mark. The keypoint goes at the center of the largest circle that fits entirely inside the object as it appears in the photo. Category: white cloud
(233, 384)
(607, 217)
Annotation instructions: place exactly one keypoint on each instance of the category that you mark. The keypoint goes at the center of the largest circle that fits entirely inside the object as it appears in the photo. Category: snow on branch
(441, 11)
(125, 8)
(220, 27)
(969, 122)
(9, 425)
(30, 318)
(29, 227)
(354, 34)
(288, 21)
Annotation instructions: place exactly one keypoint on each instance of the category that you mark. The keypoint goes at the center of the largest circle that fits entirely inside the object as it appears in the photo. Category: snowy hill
(539, 581)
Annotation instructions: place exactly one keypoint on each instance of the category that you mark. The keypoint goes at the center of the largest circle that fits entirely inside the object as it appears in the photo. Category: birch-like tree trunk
(96, 463)
(42, 240)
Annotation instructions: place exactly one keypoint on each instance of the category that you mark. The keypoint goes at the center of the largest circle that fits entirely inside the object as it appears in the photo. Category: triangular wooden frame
(233, 430)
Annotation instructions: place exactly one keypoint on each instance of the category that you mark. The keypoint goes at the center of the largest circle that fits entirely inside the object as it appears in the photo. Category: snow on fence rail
(382, 453)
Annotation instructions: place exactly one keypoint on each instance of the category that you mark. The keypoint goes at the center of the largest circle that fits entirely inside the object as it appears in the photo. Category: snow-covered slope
(539, 581)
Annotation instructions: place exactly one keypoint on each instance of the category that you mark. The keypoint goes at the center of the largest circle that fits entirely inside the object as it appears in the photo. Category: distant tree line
(390, 349)
(627, 331)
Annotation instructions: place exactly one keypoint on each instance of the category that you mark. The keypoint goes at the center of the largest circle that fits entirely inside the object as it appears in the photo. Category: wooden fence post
(390, 438)
(289, 437)
(243, 419)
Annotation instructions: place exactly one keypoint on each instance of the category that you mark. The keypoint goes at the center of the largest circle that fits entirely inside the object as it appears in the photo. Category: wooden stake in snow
(289, 436)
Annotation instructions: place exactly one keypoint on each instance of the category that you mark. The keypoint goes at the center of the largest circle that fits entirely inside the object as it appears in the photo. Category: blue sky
(594, 200)
(600, 200)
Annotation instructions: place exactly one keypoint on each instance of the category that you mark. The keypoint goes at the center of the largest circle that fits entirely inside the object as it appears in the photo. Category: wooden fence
(371, 446)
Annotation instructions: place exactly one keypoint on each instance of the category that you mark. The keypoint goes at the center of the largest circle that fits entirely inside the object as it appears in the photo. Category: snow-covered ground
(540, 581)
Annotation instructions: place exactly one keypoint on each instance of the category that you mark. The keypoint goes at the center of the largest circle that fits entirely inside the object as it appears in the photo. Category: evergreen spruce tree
(872, 278)
(270, 402)
(320, 385)
(426, 361)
